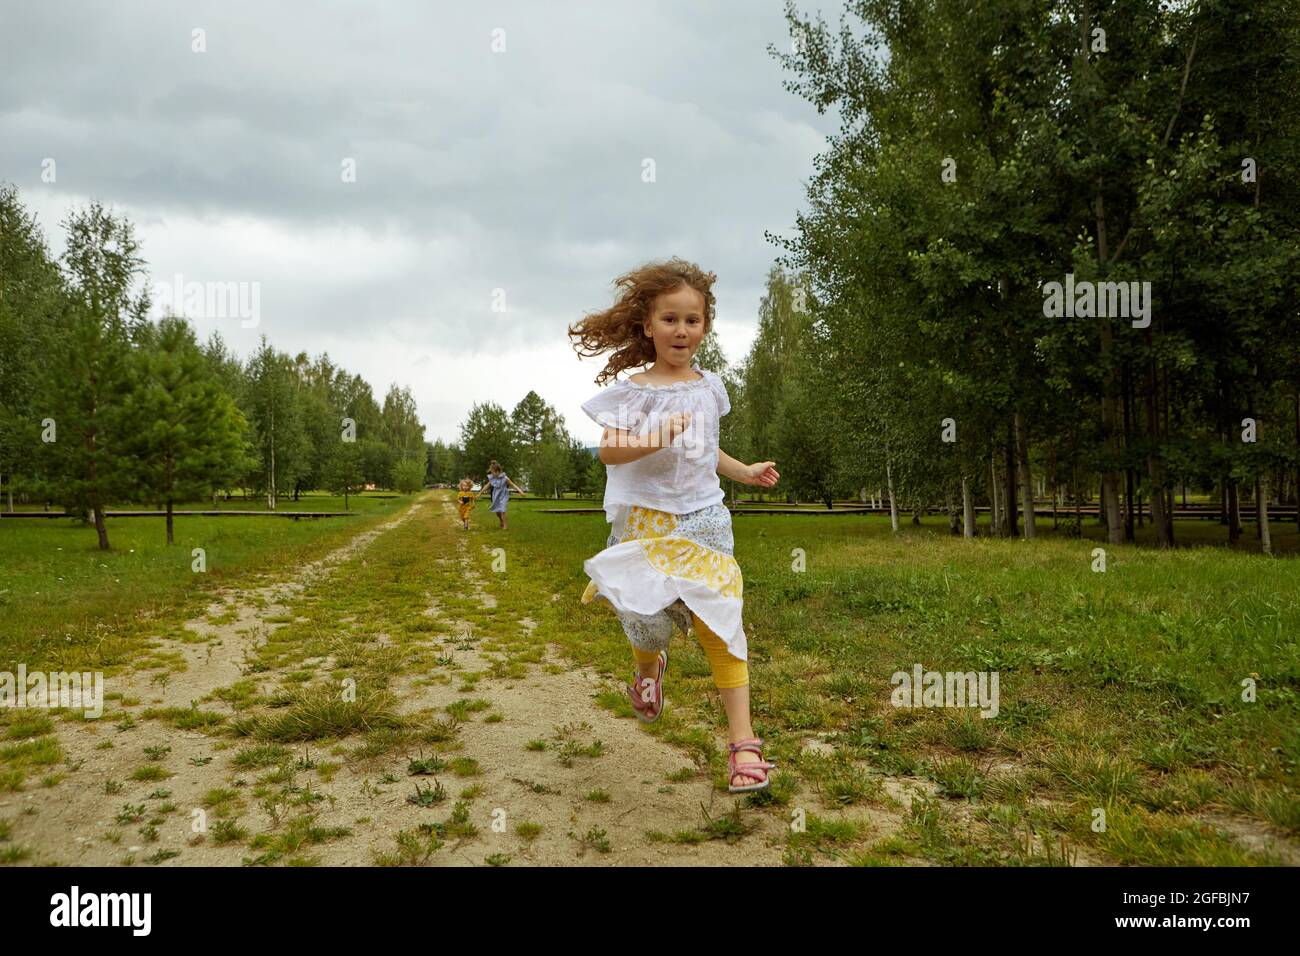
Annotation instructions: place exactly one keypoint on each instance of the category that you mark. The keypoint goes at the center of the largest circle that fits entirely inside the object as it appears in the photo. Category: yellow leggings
(728, 671)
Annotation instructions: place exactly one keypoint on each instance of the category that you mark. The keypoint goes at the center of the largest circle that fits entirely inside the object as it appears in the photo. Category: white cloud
(475, 170)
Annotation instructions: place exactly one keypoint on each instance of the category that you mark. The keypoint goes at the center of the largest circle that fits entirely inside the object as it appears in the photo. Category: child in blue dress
(669, 558)
(501, 484)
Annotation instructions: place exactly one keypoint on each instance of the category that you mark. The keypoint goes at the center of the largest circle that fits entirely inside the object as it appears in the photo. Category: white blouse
(681, 477)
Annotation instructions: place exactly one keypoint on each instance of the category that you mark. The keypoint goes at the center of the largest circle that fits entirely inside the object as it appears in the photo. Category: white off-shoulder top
(680, 478)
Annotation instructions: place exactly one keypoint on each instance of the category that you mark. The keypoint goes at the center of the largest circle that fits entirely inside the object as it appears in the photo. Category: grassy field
(1121, 691)
(1188, 532)
(66, 604)
(311, 501)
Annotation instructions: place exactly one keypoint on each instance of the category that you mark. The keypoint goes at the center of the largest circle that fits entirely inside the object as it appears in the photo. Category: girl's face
(676, 324)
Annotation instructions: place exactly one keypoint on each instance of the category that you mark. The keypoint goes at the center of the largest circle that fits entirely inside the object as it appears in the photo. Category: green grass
(307, 501)
(1114, 686)
(298, 833)
(69, 605)
(150, 771)
(1120, 692)
(17, 760)
(318, 713)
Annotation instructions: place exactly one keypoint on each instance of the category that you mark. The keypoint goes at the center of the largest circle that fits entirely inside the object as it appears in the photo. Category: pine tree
(275, 410)
(187, 433)
(343, 474)
(87, 379)
(30, 295)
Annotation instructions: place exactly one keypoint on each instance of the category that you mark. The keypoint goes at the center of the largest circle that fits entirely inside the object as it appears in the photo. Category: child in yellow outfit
(465, 498)
(669, 558)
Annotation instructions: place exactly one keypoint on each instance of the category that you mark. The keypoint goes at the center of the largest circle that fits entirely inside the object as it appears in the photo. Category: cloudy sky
(496, 146)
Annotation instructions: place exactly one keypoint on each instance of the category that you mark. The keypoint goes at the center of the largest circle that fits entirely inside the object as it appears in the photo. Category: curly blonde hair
(621, 326)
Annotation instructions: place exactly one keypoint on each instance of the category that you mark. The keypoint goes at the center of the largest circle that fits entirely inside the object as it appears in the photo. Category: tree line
(100, 406)
(991, 155)
(531, 443)
(1052, 255)
(1140, 158)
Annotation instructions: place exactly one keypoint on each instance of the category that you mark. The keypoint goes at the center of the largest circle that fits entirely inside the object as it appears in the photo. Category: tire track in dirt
(69, 823)
(633, 769)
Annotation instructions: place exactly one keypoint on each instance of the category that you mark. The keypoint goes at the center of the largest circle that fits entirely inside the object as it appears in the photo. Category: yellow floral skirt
(465, 507)
(659, 567)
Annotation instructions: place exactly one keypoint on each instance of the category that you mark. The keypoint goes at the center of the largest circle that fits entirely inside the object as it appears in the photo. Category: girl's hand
(672, 426)
(762, 473)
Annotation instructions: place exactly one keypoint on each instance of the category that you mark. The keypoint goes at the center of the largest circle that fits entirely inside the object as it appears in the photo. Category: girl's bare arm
(618, 446)
(729, 467)
(762, 474)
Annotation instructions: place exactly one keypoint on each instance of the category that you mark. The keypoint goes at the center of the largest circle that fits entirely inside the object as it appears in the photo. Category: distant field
(307, 502)
(1188, 532)
(64, 601)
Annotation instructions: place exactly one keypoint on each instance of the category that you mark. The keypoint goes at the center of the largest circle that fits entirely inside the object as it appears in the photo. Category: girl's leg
(648, 634)
(731, 677)
(647, 662)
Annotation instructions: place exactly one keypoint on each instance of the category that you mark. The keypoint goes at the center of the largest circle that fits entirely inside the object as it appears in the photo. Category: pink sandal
(647, 693)
(756, 770)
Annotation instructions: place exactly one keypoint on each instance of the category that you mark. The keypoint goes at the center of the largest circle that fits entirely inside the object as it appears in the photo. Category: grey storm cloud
(475, 170)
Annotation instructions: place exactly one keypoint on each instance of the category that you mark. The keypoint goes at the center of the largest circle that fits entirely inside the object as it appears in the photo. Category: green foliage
(932, 231)
(408, 476)
(86, 376)
(100, 407)
(186, 435)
